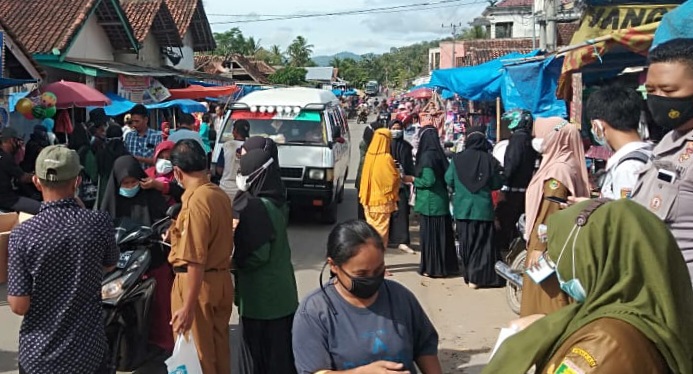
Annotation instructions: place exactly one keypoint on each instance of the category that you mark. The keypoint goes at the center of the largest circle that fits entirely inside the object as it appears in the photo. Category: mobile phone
(666, 176)
(557, 200)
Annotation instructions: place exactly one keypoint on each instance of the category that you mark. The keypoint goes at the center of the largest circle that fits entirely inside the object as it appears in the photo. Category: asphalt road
(468, 321)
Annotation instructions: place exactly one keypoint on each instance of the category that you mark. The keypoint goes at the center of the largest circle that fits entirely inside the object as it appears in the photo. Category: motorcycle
(512, 267)
(384, 118)
(363, 117)
(127, 292)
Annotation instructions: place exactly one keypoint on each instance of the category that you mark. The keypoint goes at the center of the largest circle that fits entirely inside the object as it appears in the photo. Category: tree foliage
(289, 76)
(299, 52)
(233, 41)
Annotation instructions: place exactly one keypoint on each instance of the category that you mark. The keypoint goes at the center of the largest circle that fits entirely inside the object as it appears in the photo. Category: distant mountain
(325, 60)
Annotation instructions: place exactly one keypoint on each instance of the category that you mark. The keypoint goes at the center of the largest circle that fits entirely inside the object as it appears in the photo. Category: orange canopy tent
(198, 92)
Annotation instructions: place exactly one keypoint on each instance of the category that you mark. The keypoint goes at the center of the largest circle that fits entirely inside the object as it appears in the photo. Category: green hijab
(631, 269)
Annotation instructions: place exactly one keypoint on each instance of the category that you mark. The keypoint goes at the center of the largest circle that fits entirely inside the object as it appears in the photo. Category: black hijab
(430, 153)
(401, 151)
(255, 226)
(145, 208)
(266, 144)
(114, 148)
(475, 166)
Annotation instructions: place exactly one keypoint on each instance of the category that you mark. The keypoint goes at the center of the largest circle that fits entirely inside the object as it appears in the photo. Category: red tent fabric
(75, 94)
(420, 93)
(198, 92)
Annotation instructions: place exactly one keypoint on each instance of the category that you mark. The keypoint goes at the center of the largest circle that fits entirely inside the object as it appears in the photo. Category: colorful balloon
(48, 123)
(38, 112)
(49, 112)
(24, 106)
(28, 115)
(48, 99)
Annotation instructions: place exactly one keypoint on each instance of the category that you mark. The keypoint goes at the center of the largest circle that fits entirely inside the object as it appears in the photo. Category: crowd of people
(616, 295)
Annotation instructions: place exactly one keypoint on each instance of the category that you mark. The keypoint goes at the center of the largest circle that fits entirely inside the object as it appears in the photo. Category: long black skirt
(266, 346)
(438, 257)
(478, 254)
(399, 222)
(508, 212)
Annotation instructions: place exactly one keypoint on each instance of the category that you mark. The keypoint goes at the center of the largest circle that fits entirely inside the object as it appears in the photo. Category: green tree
(299, 52)
(252, 47)
(276, 55)
(475, 32)
(289, 76)
(336, 62)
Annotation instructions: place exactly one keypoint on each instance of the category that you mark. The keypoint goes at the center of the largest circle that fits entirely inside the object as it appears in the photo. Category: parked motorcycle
(363, 117)
(127, 292)
(513, 267)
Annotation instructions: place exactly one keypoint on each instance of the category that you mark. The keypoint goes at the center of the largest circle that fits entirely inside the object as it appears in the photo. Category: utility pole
(551, 34)
(454, 28)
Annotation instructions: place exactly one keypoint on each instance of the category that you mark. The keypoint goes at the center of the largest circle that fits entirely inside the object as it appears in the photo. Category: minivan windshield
(304, 129)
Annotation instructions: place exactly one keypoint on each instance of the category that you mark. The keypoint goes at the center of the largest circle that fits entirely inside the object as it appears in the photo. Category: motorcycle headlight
(316, 174)
(114, 289)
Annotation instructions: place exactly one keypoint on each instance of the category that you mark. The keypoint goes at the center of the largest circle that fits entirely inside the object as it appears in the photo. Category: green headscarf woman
(635, 301)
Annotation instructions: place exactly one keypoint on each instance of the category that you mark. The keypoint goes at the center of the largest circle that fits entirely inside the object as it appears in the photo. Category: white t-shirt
(620, 179)
(231, 166)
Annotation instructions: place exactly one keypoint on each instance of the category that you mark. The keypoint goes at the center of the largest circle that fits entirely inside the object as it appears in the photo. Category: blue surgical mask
(601, 140)
(572, 287)
(397, 134)
(129, 192)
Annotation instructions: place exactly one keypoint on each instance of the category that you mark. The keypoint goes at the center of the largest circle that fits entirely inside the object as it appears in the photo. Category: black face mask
(364, 287)
(670, 112)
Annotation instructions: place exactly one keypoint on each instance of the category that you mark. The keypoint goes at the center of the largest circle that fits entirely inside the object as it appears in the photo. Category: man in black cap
(10, 173)
(142, 142)
(186, 130)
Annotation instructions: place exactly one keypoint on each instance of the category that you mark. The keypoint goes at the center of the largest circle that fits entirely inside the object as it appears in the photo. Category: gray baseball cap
(57, 163)
(9, 133)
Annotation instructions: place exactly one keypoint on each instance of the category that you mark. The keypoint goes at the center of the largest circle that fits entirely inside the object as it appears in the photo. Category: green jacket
(472, 206)
(431, 194)
(266, 285)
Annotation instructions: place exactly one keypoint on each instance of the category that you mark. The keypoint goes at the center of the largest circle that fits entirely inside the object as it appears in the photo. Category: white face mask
(163, 167)
(537, 144)
(243, 182)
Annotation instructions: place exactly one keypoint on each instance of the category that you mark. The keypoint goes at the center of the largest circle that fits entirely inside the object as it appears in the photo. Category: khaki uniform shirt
(607, 346)
(203, 232)
(671, 199)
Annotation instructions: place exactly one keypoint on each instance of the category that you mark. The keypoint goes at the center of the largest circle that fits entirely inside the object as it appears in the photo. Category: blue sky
(357, 33)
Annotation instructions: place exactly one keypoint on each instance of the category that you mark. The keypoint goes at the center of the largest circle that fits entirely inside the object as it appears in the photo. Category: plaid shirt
(143, 146)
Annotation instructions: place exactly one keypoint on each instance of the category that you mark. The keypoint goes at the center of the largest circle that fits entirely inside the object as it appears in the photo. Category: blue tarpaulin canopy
(477, 83)
(675, 24)
(337, 92)
(120, 105)
(532, 86)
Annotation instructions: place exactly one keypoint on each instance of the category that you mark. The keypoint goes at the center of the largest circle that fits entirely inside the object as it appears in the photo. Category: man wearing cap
(10, 172)
(228, 161)
(185, 130)
(56, 264)
(142, 142)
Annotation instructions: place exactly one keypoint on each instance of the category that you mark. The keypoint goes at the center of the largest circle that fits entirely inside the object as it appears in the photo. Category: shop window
(504, 30)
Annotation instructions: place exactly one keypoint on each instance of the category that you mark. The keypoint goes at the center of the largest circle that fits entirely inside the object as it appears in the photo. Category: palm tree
(299, 52)
(252, 47)
(476, 32)
(276, 55)
(336, 62)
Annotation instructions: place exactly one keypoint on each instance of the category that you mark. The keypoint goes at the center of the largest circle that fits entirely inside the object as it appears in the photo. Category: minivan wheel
(329, 214)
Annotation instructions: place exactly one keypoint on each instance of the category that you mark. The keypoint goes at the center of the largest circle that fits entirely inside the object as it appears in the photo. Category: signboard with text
(143, 90)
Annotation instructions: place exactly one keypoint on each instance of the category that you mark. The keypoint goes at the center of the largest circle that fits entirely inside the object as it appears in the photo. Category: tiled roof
(153, 16)
(565, 32)
(483, 50)
(10, 69)
(44, 25)
(222, 66)
(514, 3)
(189, 15)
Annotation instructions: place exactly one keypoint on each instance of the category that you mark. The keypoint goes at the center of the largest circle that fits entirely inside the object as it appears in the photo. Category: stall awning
(675, 24)
(120, 105)
(199, 92)
(477, 83)
(112, 69)
(9, 82)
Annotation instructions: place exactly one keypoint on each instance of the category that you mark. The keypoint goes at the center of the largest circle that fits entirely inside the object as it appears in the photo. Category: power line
(382, 10)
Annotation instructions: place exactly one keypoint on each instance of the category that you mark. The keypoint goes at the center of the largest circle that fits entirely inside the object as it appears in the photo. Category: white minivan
(312, 135)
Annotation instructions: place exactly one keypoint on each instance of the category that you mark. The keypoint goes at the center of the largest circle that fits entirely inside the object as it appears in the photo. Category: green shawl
(631, 269)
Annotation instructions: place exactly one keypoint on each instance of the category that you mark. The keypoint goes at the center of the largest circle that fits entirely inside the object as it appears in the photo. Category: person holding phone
(562, 173)
(142, 142)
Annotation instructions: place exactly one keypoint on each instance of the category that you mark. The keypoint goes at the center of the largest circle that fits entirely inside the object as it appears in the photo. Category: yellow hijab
(380, 178)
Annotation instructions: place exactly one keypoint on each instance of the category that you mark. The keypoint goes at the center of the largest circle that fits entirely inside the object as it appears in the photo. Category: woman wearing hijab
(38, 140)
(473, 174)
(124, 198)
(401, 151)
(80, 142)
(438, 257)
(105, 158)
(363, 147)
(160, 176)
(266, 293)
(633, 298)
(380, 181)
(562, 173)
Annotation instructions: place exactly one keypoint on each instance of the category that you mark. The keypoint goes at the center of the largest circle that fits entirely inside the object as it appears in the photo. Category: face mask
(573, 287)
(397, 134)
(537, 145)
(163, 167)
(129, 192)
(243, 182)
(670, 112)
(601, 140)
(365, 287)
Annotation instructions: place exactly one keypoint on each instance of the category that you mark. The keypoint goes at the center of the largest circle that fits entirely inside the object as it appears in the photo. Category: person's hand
(524, 322)
(166, 236)
(182, 320)
(382, 367)
(408, 179)
(533, 259)
(149, 183)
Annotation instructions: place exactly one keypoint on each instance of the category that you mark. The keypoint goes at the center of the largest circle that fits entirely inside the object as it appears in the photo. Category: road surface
(467, 321)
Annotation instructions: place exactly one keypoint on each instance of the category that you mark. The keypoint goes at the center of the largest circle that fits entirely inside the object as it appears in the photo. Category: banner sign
(142, 90)
(603, 20)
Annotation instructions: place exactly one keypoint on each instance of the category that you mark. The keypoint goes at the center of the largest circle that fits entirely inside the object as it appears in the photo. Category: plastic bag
(184, 359)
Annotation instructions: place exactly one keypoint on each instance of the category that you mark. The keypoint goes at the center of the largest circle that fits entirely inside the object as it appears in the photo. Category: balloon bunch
(42, 107)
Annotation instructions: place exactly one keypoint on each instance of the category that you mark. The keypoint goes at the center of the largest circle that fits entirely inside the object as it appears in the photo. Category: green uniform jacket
(266, 285)
(472, 206)
(431, 194)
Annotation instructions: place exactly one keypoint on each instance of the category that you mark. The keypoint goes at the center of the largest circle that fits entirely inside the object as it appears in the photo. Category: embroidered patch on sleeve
(591, 361)
(626, 193)
(553, 184)
(568, 367)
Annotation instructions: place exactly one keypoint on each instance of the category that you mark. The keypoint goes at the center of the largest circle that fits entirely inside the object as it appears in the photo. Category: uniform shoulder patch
(568, 367)
(554, 184)
(626, 193)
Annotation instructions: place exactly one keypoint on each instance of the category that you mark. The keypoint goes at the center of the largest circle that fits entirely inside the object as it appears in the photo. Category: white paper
(544, 270)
